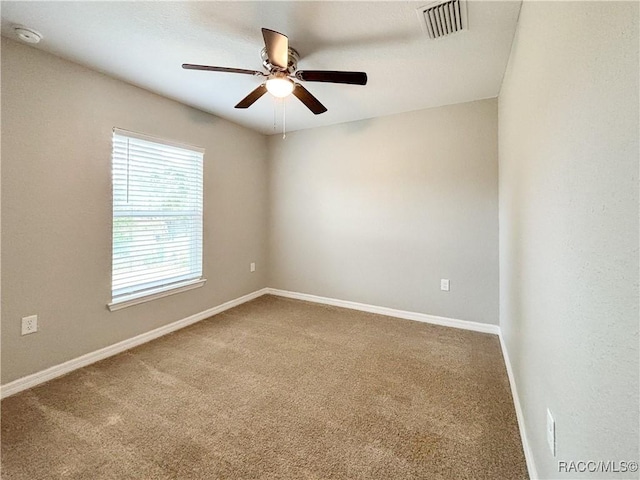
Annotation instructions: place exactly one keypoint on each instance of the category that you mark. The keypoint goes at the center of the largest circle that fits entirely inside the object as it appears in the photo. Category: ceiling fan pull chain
(275, 112)
(284, 120)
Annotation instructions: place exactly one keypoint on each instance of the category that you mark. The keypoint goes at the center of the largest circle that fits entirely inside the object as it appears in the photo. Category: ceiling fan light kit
(282, 76)
(279, 85)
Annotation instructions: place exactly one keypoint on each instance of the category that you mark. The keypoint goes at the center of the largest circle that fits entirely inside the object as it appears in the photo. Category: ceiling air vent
(443, 18)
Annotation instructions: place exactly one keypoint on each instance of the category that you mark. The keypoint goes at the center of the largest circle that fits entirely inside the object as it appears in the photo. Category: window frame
(151, 292)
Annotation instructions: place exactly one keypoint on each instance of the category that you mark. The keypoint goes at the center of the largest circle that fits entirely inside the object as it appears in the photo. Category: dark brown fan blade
(250, 99)
(309, 100)
(191, 66)
(277, 46)
(352, 78)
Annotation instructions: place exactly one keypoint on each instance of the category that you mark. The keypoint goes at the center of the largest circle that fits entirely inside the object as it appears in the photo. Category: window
(157, 218)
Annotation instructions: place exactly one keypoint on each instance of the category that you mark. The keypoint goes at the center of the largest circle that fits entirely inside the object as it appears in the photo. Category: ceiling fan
(281, 62)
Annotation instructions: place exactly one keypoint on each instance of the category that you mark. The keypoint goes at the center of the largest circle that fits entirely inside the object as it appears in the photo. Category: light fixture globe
(280, 86)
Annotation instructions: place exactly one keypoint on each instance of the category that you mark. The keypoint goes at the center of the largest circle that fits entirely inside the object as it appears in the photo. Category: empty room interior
(320, 240)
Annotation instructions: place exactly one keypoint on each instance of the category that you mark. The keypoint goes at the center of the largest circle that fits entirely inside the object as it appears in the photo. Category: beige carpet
(276, 388)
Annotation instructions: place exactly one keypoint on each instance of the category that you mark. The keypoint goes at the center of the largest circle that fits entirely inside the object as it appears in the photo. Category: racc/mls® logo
(599, 466)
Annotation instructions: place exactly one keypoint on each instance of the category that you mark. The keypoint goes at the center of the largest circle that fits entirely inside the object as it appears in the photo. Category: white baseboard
(390, 312)
(37, 378)
(446, 322)
(528, 454)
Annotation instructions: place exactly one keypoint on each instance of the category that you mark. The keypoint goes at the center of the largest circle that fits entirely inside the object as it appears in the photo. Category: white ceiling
(145, 43)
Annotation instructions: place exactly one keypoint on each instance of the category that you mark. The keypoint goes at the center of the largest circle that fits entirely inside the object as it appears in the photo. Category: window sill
(132, 300)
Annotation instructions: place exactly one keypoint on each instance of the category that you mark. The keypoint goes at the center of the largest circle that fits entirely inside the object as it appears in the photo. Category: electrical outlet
(252, 267)
(551, 433)
(444, 285)
(29, 324)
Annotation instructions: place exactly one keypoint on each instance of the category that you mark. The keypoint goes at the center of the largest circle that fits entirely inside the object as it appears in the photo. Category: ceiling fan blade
(191, 66)
(309, 100)
(250, 99)
(277, 46)
(352, 78)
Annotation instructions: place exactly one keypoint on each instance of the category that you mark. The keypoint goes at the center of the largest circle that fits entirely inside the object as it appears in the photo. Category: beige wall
(56, 207)
(378, 211)
(568, 129)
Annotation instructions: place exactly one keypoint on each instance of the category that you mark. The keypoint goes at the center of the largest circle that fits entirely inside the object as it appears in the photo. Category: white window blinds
(157, 215)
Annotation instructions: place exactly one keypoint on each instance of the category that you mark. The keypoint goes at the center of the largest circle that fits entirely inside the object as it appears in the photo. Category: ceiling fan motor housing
(292, 63)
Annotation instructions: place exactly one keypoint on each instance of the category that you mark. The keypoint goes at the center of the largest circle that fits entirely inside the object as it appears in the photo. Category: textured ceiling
(145, 43)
